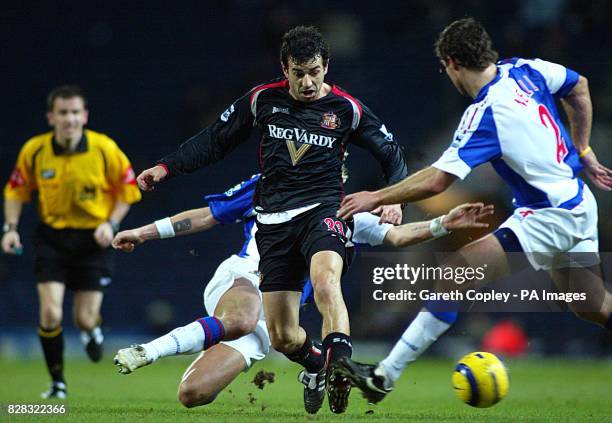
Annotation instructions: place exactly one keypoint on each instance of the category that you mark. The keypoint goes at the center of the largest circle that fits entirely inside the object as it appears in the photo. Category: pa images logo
(330, 121)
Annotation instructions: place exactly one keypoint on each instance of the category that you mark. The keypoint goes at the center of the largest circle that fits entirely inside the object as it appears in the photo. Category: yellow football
(480, 379)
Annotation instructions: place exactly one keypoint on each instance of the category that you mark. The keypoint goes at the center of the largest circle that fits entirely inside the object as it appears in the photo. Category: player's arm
(11, 242)
(573, 91)
(579, 109)
(372, 135)
(208, 146)
(18, 191)
(418, 186)
(105, 231)
(184, 223)
(120, 176)
(473, 144)
(465, 216)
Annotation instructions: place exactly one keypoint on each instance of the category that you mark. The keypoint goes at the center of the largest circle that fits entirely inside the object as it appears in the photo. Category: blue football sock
(214, 332)
(446, 311)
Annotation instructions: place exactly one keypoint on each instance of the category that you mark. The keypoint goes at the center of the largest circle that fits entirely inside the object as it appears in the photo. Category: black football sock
(337, 345)
(309, 355)
(52, 341)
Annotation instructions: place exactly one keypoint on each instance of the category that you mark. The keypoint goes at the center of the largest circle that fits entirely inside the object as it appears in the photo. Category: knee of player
(325, 276)
(193, 395)
(240, 323)
(51, 317)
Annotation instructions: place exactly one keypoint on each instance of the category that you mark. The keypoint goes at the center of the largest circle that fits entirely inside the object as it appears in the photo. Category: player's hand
(468, 216)
(389, 214)
(104, 234)
(127, 241)
(359, 202)
(600, 175)
(11, 243)
(150, 177)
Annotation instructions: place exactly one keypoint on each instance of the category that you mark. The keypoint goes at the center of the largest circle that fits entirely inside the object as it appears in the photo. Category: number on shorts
(334, 225)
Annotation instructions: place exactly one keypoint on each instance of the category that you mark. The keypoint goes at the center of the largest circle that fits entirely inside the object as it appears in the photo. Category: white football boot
(130, 359)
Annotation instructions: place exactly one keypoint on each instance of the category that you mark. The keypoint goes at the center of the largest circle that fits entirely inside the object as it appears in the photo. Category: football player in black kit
(306, 125)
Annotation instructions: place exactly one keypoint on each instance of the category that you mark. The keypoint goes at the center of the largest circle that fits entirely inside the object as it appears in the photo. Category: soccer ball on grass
(480, 379)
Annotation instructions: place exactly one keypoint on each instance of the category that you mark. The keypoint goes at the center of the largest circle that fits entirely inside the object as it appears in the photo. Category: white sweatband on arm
(437, 229)
(165, 228)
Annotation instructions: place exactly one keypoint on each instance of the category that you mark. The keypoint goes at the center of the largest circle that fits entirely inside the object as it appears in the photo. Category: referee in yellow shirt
(85, 186)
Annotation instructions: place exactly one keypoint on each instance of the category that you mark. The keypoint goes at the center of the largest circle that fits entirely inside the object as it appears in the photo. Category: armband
(437, 228)
(585, 152)
(165, 228)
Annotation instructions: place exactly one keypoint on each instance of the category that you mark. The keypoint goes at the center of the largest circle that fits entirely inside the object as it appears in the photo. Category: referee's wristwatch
(7, 227)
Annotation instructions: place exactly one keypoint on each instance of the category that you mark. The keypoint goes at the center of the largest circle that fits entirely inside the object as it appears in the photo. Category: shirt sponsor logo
(226, 114)
(300, 135)
(284, 110)
(330, 121)
(47, 173)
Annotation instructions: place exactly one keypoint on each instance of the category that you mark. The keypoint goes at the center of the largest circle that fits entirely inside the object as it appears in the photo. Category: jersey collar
(58, 150)
(484, 90)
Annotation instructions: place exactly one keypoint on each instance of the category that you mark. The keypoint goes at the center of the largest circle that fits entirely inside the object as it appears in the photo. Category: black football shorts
(286, 249)
(73, 257)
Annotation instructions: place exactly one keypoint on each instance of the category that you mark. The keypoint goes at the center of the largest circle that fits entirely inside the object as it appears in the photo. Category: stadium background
(155, 75)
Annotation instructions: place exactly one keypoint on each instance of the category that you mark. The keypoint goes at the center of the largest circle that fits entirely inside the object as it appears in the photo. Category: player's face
(68, 118)
(306, 79)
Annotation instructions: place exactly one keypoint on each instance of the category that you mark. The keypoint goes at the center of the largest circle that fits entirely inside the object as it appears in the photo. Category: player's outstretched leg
(235, 315)
(209, 374)
(326, 271)
(377, 380)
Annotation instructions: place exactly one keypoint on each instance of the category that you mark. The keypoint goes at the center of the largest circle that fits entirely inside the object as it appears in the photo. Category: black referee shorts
(73, 257)
(286, 249)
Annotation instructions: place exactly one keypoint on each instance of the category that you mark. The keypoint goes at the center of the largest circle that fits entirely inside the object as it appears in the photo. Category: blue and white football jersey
(236, 206)
(514, 124)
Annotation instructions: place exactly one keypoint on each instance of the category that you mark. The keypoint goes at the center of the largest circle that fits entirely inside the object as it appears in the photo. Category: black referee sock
(52, 341)
(309, 355)
(337, 345)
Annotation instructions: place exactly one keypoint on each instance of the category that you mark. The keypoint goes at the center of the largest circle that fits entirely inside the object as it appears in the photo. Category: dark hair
(302, 44)
(468, 43)
(65, 91)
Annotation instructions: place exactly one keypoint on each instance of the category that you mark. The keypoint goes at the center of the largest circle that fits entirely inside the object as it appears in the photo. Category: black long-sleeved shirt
(301, 148)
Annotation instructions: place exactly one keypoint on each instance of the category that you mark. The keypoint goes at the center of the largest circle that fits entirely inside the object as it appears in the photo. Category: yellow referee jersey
(77, 189)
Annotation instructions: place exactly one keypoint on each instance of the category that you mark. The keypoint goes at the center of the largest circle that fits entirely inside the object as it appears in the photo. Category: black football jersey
(301, 147)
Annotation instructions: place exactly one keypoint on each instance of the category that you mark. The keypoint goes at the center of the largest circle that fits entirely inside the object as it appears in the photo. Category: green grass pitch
(540, 390)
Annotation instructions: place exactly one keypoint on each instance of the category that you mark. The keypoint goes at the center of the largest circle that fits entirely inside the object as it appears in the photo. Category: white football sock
(95, 333)
(421, 333)
(187, 339)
